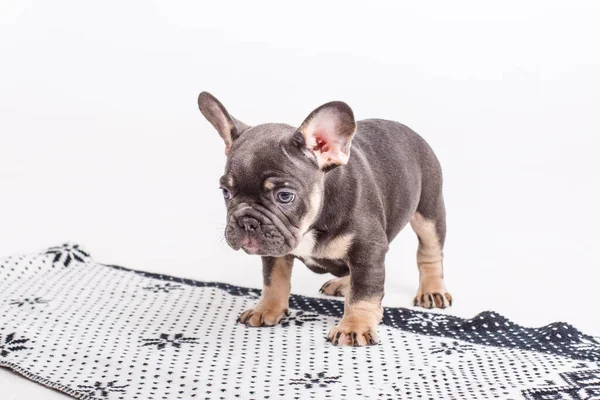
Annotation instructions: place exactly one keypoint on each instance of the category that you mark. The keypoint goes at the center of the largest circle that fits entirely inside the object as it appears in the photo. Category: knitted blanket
(96, 331)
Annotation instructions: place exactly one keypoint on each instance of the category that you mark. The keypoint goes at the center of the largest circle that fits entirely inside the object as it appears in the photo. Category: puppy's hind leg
(429, 223)
(337, 286)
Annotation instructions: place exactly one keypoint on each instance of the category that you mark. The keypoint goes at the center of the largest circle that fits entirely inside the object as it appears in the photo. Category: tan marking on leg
(273, 303)
(337, 287)
(337, 248)
(432, 291)
(358, 327)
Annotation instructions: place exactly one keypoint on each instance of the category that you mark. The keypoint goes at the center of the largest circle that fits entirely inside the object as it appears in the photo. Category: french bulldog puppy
(333, 193)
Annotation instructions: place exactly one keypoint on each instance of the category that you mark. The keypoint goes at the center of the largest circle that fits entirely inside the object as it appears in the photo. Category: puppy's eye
(285, 197)
(226, 193)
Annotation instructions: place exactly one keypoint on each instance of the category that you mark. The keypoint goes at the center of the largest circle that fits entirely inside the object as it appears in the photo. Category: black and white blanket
(96, 331)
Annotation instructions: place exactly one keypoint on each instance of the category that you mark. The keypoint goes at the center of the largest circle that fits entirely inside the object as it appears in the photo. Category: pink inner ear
(330, 149)
(321, 143)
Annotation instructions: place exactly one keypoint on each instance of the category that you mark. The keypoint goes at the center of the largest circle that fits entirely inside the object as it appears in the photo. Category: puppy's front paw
(263, 315)
(336, 287)
(433, 295)
(351, 332)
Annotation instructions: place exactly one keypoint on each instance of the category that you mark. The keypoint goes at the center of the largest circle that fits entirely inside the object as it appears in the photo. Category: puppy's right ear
(228, 127)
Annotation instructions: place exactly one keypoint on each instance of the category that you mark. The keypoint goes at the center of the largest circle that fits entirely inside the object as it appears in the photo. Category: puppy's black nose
(248, 223)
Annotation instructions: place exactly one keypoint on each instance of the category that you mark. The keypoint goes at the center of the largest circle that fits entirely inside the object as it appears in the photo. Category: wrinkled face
(274, 177)
(272, 190)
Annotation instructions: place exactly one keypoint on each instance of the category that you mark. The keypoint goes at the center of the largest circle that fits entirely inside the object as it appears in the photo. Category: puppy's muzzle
(251, 230)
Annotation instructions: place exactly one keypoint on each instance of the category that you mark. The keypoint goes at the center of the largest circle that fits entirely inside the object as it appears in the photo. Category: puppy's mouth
(258, 245)
(250, 246)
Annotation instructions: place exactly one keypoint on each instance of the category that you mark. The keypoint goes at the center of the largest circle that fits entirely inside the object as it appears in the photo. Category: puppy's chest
(325, 255)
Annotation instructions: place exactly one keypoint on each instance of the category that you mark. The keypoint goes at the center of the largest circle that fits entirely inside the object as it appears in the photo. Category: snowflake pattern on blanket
(96, 331)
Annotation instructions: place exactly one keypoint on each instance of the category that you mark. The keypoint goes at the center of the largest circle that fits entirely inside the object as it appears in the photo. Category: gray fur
(391, 174)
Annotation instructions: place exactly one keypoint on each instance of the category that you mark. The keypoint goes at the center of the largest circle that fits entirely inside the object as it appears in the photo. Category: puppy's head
(273, 180)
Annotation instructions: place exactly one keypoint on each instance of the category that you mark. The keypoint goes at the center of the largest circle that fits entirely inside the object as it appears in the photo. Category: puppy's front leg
(362, 306)
(273, 303)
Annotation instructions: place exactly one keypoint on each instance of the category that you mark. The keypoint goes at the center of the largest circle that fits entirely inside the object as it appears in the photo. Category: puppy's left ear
(327, 133)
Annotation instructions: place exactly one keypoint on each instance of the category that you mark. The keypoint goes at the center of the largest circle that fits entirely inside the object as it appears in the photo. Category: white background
(101, 141)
